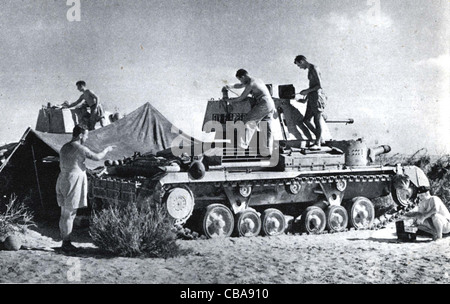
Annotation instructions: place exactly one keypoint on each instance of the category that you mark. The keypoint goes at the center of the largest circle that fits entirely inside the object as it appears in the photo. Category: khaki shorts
(71, 190)
(316, 104)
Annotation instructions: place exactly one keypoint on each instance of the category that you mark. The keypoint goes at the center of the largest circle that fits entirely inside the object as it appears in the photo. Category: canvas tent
(32, 164)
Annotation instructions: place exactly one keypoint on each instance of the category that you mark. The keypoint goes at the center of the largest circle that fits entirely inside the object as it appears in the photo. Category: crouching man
(72, 184)
(432, 216)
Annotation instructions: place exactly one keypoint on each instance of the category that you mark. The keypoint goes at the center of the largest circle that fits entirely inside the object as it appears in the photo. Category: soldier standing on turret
(315, 98)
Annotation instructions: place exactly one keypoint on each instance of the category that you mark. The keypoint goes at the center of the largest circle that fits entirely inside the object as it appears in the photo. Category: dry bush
(436, 168)
(136, 229)
(14, 216)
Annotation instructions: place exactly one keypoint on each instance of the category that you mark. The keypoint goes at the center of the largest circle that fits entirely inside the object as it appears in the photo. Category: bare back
(90, 98)
(259, 88)
(72, 157)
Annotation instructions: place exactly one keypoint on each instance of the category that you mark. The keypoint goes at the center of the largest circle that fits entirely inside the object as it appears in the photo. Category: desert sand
(372, 256)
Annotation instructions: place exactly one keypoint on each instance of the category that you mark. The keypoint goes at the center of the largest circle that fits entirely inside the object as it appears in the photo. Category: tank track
(379, 222)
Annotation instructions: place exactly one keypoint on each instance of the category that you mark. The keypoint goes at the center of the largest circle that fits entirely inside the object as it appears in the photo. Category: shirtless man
(432, 216)
(91, 101)
(71, 186)
(262, 111)
(315, 98)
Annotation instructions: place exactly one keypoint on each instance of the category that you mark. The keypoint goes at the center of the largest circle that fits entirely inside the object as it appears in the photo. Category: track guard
(415, 174)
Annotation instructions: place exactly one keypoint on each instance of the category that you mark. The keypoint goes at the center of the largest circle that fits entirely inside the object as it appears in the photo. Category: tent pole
(37, 176)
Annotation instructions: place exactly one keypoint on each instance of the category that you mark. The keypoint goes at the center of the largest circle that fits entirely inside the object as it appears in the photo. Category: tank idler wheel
(361, 213)
(313, 220)
(273, 222)
(248, 223)
(403, 191)
(218, 221)
(337, 218)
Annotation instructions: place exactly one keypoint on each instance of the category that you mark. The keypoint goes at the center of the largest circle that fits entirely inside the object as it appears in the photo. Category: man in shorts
(432, 216)
(72, 185)
(315, 98)
(91, 100)
(263, 111)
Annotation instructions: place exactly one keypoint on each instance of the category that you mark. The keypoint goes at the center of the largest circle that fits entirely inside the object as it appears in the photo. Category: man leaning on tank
(92, 102)
(263, 111)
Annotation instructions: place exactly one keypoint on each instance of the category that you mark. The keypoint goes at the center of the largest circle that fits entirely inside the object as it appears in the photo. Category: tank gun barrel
(346, 121)
(373, 152)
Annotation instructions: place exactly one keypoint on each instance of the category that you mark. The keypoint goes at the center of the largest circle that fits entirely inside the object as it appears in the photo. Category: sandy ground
(350, 257)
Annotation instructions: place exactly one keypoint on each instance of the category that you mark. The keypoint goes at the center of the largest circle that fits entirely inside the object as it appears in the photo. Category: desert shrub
(136, 229)
(437, 170)
(14, 216)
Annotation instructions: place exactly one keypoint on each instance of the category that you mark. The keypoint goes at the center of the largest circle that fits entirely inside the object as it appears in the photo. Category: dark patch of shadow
(391, 241)
(295, 119)
(86, 252)
(51, 229)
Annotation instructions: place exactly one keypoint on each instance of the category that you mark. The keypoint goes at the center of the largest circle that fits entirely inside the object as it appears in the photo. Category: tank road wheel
(313, 220)
(248, 223)
(218, 221)
(403, 191)
(180, 204)
(337, 218)
(273, 222)
(361, 213)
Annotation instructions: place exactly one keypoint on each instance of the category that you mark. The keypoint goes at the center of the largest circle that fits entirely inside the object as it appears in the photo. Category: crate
(114, 189)
(405, 232)
(311, 162)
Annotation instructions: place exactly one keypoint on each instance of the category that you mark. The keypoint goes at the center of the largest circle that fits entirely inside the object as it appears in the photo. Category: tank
(219, 191)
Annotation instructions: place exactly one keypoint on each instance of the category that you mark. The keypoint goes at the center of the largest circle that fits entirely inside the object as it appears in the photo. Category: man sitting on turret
(262, 111)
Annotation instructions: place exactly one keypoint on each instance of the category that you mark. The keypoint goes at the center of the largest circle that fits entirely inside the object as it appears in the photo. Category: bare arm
(238, 86)
(76, 102)
(421, 216)
(244, 94)
(97, 156)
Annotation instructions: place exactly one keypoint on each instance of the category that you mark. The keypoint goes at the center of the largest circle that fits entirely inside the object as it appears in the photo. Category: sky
(384, 63)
